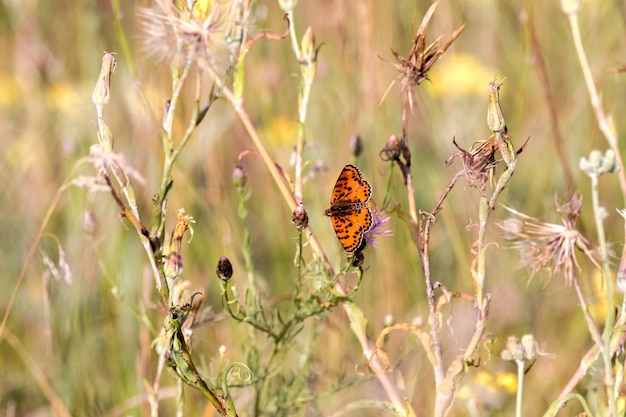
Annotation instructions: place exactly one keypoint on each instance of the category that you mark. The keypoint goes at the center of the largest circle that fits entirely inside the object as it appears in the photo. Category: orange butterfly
(349, 209)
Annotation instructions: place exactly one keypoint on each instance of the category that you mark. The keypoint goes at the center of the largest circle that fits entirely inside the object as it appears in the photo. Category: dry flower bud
(224, 269)
(100, 95)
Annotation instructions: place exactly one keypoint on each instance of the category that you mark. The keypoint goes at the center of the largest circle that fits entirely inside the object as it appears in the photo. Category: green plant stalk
(178, 80)
(246, 247)
(609, 319)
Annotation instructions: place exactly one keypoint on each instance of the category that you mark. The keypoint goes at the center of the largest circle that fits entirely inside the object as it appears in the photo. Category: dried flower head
(479, 162)
(414, 67)
(186, 30)
(174, 262)
(547, 245)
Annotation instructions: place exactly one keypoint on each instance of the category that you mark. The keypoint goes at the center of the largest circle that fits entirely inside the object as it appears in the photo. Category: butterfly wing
(350, 234)
(351, 186)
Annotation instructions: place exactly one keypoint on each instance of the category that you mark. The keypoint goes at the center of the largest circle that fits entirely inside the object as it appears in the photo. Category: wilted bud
(300, 218)
(392, 149)
(100, 95)
(355, 144)
(495, 118)
(239, 176)
(224, 269)
(174, 261)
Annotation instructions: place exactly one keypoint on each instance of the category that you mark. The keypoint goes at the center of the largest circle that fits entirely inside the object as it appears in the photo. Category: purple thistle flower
(379, 220)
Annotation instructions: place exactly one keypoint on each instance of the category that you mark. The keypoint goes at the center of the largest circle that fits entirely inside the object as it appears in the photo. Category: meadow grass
(165, 248)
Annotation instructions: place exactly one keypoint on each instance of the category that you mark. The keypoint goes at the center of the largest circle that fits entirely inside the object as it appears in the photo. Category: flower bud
(308, 47)
(100, 95)
(355, 144)
(300, 218)
(224, 269)
(239, 176)
(597, 164)
(495, 118)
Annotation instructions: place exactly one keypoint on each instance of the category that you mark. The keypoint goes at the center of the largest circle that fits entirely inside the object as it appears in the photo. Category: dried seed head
(192, 31)
(547, 245)
(224, 269)
(414, 67)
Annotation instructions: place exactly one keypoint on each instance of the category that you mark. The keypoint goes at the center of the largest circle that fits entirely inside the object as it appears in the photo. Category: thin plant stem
(609, 319)
(606, 127)
(542, 74)
(520, 388)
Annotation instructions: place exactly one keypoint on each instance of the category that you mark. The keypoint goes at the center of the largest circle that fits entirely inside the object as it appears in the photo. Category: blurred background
(82, 333)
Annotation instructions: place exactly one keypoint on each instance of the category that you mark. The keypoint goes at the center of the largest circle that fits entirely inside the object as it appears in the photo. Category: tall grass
(165, 249)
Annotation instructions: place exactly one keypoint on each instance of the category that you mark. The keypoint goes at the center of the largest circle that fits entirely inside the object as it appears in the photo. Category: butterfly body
(349, 209)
